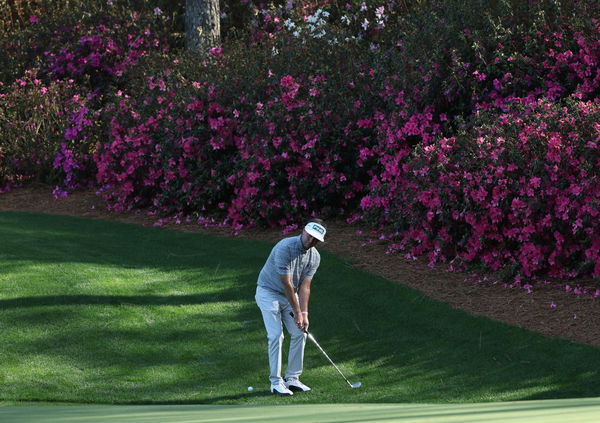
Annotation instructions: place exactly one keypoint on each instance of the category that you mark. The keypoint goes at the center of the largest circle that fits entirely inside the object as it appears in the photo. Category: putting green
(549, 411)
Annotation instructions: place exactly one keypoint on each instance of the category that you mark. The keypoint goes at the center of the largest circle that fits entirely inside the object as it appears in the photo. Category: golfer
(282, 295)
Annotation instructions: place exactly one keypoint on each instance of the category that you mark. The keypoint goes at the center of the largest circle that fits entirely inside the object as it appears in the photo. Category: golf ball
(250, 389)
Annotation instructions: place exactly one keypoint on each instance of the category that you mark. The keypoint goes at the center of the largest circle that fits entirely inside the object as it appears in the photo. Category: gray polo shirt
(289, 257)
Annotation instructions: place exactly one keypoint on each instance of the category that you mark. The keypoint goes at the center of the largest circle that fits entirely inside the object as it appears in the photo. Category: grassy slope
(99, 312)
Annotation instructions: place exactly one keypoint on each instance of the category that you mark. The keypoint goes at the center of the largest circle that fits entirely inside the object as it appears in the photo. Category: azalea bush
(95, 39)
(254, 151)
(518, 190)
(75, 59)
(47, 133)
(168, 150)
(102, 55)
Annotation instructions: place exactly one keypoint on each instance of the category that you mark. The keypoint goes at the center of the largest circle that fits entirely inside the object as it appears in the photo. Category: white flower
(363, 7)
(157, 11)
(346, 20)
(365, 24)
(381, 17)
(289, 24)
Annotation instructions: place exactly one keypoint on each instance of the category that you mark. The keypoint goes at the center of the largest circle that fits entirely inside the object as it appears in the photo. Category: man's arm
(300, 304)
(304, 297)
(286, 281)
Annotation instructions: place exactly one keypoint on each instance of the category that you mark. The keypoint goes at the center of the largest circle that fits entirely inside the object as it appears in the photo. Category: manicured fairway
(550, 411)
(95, 312)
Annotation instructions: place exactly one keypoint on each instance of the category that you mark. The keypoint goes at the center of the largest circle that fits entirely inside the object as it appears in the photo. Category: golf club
(312, 338)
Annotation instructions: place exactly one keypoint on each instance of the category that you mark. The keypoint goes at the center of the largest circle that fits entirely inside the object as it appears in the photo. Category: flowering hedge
(468, 134)
(518, 190)
(48, 132)
(185, 146)
(51, 116)
(100, 55)
(95, 39)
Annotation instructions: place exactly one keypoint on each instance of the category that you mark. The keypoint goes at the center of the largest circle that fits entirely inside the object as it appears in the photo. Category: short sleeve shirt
(289, 257)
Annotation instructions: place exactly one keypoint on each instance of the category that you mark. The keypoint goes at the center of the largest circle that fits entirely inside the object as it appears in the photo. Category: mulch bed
(549, 310)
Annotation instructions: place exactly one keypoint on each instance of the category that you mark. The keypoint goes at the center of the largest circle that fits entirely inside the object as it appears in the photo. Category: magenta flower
(216, 52)
(479, 76)
(287, 82)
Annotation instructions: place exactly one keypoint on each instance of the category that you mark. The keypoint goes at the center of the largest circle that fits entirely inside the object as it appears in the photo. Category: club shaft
(314, 341)
(312, 338)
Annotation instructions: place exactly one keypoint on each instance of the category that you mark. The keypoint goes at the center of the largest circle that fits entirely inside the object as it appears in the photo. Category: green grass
(548, 411)
(101, 312)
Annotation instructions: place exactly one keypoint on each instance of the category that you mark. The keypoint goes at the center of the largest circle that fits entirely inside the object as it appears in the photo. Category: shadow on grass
(111, 300)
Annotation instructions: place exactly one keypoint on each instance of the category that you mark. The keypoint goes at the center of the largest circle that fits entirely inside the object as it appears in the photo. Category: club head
(356, 385)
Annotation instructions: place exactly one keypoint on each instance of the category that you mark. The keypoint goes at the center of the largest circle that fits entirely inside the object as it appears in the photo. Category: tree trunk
(202, 25)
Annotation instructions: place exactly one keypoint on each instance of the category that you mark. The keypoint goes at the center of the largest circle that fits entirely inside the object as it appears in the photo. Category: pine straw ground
(575, 317)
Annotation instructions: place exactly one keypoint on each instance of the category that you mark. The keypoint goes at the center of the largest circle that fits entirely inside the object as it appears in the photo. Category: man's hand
(305, 324)
(301, 320)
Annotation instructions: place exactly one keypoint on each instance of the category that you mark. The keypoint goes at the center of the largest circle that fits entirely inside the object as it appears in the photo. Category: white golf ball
(250, 389)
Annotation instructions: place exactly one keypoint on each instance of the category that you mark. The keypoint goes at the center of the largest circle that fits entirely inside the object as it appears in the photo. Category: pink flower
(287, 81)
(216, 52)
(479, 76)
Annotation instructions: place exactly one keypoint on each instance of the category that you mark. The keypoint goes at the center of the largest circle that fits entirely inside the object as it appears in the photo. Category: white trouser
(275, 308)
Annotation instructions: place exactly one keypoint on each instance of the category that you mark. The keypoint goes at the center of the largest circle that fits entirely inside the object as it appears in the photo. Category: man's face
(308, 240)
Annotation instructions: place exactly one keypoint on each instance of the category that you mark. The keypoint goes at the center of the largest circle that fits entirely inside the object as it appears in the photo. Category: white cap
(316, 231)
